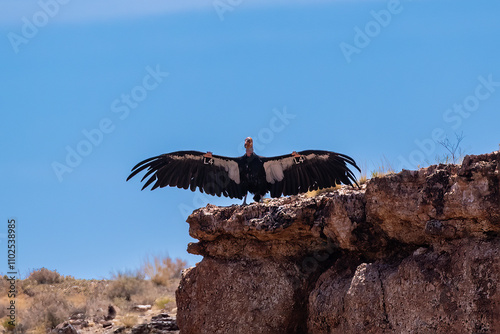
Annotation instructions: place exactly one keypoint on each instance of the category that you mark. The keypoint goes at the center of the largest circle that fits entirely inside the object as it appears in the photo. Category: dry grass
(363, 174)
(129, 320)
(163, 270)
(46, 298)
(47, 310)
(165, 303)
(383, 168)
(43, 306)
(317, 192)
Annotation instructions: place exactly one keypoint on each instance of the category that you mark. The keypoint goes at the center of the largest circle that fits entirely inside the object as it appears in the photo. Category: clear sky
(90, 88)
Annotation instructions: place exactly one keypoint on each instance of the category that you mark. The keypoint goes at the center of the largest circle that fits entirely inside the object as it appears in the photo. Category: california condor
(289, 174)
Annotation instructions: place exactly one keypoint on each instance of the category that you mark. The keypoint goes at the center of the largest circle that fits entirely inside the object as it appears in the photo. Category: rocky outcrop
(64, 328)
(413, 252)
(162, 323)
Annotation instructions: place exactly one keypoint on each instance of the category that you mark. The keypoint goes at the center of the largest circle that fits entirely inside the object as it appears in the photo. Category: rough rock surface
(161, 324)
(413, 252)
(64, 328)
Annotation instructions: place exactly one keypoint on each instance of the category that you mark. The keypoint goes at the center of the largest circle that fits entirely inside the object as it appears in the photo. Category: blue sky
(90, 88)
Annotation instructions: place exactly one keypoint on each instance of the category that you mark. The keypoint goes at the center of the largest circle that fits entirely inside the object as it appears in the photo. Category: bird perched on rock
(289, 174)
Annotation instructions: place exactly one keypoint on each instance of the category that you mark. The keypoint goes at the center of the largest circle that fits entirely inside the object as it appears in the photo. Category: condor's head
(249, 145)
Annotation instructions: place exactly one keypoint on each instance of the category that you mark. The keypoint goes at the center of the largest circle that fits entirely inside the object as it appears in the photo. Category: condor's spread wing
(307, 170)
(212, 174)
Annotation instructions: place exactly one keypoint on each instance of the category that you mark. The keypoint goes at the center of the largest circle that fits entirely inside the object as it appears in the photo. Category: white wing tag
(207, 158)
(297, 158)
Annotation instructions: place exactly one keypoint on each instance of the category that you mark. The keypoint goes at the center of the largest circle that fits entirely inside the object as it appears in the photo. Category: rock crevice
(413, 252)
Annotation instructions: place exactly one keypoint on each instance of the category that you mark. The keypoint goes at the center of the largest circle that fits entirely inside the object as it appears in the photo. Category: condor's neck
(249, 152)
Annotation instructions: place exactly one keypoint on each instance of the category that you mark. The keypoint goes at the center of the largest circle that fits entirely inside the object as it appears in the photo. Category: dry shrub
(129, 320)
(78, 301)
(46, 276)
(129, 291)
(165, 303)
(149, 292)
(48, 310)
(124, 286)
(96, 306)
(4, 283)
(3, 309)
(17, 329)
(6, 323)
(162, 271)
(46, 298)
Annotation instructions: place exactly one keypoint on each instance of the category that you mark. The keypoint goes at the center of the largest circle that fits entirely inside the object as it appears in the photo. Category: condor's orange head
(248, 142)
(249, 146)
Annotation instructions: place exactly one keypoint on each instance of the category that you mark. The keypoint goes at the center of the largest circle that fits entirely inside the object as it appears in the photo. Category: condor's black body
(253, 175)
(233, 177)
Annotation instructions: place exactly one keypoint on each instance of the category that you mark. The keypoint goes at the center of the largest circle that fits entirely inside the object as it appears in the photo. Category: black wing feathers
(217, 175)
(189, 170)
(310, 170)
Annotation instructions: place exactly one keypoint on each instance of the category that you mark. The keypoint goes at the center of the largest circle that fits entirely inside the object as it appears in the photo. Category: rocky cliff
(413, 252)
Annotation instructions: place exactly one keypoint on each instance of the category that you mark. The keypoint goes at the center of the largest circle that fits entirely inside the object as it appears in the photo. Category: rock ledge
(413, 252)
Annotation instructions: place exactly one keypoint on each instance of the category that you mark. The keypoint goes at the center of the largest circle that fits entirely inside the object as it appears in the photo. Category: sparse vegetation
(383, 168)
(124, 286)
(363, 176)
(46, 298)
(129, 320)
(164, 302)
(317, 192)
(455, 153)
(46, 276)
(163, 270)
(48, 310)
(7, 324)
